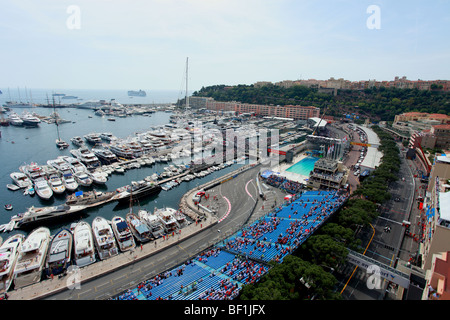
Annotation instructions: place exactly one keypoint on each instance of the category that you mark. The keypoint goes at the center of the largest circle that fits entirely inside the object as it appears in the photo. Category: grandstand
(221, 272)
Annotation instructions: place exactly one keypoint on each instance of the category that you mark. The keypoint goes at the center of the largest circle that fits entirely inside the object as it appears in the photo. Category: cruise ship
(140, 93)
(32, 254)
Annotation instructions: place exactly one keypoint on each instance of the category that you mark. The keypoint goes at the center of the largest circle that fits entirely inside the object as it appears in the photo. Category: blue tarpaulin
(79, 193)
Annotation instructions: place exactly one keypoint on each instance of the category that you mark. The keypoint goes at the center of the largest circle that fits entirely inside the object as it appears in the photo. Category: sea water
(19, 145)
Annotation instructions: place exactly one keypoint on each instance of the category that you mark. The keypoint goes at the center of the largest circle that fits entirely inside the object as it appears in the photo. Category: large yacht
(104, 238)
(67, 175)
(87, 157)
(35, 215)
(104, 155)
(82, 178)
(123, 234)
(21, 179)
(93, 138)
(138, 189)
(30, 120)
(153, 222)
(108, 136)
(89, 198)
(140, 93)
(78, 141)
(121, 150)
(9, 251)
(139, 229)
(166, 216)
(83, 244)
(74, 164)
(59, 254)
(32, 254)
(15, 120)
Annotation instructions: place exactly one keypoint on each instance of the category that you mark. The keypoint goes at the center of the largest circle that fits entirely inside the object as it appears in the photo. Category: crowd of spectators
(284, 183)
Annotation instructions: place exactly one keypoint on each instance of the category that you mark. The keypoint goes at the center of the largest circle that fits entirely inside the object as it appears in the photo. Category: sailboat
(61, 144)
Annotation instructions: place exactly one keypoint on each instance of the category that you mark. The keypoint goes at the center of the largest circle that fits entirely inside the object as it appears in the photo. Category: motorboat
(61, 144)
(34, 215)
(123, 233)
(119, 169)
(31, 259)
(121, 150)
(66, 173)
(89, 198)
(107, 136)
(9, 251)
(153, 222)
(87, 157)
(77, 141)
(139, 229)
(104, 155)
(83, 244)
(82, 178)
(60, 253)
(139, 189)
(8, 207)
(74, 164)
(97, 177)
(30, 120)
(12, 187)
(92, 138)
(104, 238)
(21, 179)
(42, 189)
(15, 120)
(166, 216)
(56, 184)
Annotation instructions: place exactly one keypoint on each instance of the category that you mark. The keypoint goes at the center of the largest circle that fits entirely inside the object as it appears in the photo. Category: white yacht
(67, 175)
(31, 259)
(60, 252)
(78, 141)
(93, 138)
(104, 238)
(107, 136)
(121, 150)
(15, 120)
(85, 155)
(104, 155)
(21, 179)
(74, 164)
(83, 244)
(82, 178)
(153, 222)
(123, 234)
(37, 214)
(166, 216)
(139, 229)
(29, 119)
(9, 251)
(97, 177)
(42, 189)
(56, 183)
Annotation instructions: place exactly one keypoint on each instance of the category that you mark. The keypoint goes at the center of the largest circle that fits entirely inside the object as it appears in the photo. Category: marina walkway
(99, 268)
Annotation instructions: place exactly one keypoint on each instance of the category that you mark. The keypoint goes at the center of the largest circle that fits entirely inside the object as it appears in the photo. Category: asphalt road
(241, 194)
(388, 246)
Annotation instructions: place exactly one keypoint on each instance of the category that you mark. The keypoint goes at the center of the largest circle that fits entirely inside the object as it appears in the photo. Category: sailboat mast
(187, 95)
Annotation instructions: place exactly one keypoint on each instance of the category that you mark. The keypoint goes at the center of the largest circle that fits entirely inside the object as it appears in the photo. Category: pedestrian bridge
(383, 270)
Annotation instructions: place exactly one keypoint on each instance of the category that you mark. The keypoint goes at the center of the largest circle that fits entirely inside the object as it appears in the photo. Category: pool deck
(281, 168)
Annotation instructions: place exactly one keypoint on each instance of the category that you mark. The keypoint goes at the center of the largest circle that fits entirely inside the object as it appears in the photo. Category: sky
(144, 44)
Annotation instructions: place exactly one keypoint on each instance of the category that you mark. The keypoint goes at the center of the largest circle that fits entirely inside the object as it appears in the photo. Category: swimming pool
(304, 166)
